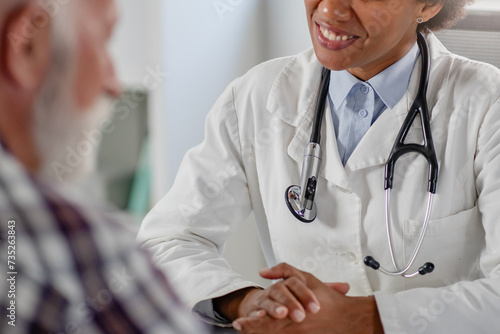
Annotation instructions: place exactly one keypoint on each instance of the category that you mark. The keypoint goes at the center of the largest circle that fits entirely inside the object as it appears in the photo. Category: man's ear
(431, 9)
(27, 46)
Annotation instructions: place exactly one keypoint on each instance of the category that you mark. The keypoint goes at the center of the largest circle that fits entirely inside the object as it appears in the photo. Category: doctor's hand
(287, 299)
(338, 313)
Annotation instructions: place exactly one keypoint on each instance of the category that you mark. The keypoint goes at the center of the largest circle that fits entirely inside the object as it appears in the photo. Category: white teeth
(333, 37)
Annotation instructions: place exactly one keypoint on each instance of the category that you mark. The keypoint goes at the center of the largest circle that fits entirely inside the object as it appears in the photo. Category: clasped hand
(300, 303)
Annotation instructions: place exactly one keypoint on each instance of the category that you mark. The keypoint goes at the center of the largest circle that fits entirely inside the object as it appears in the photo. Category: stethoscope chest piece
(305, 215)
(300, 199)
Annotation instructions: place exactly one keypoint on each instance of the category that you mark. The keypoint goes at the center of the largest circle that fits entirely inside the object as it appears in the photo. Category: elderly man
(70, 266)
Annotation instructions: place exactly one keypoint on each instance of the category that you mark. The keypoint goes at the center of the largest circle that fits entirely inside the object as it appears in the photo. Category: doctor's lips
(335, 39)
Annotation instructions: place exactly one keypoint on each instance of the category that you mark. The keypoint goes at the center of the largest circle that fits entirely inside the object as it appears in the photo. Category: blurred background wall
(176, 57)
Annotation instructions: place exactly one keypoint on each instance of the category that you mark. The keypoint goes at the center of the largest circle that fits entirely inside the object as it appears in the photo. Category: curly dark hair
(452, 11)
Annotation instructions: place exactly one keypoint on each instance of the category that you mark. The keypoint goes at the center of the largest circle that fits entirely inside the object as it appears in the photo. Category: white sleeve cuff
(205, 311)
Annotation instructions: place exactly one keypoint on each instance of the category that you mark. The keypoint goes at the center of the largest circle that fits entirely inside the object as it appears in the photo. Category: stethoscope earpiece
(427, 268)
(371, 262)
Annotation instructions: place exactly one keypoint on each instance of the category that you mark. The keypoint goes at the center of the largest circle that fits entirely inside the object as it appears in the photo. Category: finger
(281, 292)
(249, 325)
(273, 308)
(343, 288)
(257, 314)
(237, 325)
(304, 295)
(302, 291)
(260, 325)
(282, 270)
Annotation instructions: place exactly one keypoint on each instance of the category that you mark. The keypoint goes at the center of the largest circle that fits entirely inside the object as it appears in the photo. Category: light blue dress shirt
(357, 104)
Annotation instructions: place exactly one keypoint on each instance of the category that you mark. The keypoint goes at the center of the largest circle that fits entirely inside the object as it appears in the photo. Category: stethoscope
(301, 203)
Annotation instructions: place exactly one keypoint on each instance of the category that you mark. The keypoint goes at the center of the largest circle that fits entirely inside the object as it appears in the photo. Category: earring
(420, 20)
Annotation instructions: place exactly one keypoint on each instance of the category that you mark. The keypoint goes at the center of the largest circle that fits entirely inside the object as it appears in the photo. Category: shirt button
(365, 89)
(351, 257)
(363, 113)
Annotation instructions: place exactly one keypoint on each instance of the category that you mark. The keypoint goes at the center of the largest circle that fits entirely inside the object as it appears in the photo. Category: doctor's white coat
(253, 150)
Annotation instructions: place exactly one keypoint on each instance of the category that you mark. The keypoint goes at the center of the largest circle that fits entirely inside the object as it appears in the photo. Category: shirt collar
(341, 83)
(390, 84)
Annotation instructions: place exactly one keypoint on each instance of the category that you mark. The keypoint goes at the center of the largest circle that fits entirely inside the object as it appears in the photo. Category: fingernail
(257, 314)
(237, 326)
(299, 315)
(281, 310)
(313, 307)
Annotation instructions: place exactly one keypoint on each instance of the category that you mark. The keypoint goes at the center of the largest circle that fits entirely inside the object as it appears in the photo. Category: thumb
(342, 288)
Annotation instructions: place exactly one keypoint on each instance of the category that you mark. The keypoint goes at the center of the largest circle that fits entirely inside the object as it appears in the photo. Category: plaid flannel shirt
(76, 269)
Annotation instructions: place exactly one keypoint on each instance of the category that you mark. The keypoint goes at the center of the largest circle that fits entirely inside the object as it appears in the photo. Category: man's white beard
(60, 130)
(67, 139)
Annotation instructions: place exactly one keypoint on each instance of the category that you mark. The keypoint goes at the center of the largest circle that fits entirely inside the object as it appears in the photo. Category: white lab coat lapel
(301, 113)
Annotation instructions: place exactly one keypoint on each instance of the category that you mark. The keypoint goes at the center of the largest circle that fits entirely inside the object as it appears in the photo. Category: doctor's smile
(334, 39)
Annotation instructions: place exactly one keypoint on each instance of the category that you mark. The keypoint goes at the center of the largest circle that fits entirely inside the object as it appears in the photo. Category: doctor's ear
(430, 9)
(26, 48)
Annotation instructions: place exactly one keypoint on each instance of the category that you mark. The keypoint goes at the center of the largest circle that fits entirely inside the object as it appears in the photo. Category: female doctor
(253, 151)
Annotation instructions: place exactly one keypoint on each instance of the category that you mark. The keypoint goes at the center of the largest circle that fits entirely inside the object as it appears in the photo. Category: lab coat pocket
(444, 226)
(452, 243)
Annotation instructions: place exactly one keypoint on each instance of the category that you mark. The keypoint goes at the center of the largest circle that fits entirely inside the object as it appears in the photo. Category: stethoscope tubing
(421, 237)
(420, 108)
(320, 106)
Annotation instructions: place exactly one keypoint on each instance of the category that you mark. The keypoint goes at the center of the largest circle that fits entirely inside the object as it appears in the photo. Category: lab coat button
(351, 257)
